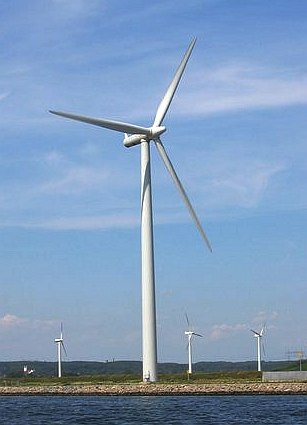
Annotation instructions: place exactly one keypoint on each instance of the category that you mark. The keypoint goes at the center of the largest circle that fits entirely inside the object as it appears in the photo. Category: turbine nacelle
(258, 334)
(133, 139)
(190, 333)
(136, 139)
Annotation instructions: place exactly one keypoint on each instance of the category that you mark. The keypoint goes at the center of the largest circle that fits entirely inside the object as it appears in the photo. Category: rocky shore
(160, 389)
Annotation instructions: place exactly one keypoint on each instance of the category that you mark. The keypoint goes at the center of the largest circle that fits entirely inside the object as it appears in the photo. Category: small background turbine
(190, 334)
(60, 345)
(259, 336)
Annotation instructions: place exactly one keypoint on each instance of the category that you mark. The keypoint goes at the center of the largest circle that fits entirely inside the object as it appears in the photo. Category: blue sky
(69, 192)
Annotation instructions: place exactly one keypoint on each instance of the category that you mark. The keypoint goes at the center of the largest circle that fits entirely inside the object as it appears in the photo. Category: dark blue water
(94, 410)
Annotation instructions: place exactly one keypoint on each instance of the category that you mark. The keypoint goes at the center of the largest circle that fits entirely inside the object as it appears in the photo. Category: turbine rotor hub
(155, 132)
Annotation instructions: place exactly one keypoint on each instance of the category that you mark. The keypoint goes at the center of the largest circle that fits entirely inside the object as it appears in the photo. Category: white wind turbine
(190, 334)
(137, 135)
(60, 345)
(259, 336)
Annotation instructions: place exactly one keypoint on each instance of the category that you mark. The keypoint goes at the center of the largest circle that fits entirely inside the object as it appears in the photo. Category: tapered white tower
(137, 135)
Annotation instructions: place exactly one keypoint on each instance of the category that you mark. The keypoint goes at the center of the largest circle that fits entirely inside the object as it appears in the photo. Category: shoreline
(159, 389)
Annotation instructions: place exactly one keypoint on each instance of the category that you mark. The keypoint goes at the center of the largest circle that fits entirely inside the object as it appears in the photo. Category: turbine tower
(60, 345)
(190, 334)
(137, 135)
(258, 335)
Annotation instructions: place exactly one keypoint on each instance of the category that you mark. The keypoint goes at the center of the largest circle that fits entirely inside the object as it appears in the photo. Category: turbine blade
(263, 350)
(61, 330)
(187, 319)
(256, 333)
(166, 101)
(194, 333)
(62, 343)
(180, 188)
(100, 122)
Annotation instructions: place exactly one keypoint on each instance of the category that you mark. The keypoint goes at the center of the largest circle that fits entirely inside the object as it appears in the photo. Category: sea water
(94, 410)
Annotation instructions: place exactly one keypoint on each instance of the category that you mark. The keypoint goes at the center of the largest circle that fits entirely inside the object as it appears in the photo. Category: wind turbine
(60, 345)
(190, 334)
(258, 335)
(137, 135)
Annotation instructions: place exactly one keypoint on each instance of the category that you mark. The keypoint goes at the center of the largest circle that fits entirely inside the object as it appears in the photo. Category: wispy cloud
(76, 180)
(264, 317)
(231, 179)
(244, 186)
(120, 221)
(10, 321)
(225, 331)
(241, 87)
(78, 8)
(226, 182)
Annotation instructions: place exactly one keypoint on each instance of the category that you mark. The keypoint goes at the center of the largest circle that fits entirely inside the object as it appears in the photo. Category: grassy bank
(182, 378)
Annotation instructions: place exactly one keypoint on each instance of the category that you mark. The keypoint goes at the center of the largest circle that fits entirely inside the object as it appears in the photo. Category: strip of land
(156, 389)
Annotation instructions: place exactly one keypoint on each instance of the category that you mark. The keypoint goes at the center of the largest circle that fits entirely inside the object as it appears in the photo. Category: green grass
(195, 378)
(216, 377)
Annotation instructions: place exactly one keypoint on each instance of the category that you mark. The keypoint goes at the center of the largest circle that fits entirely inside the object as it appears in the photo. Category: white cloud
(10, 321)
(84, 197)
(13, 321)
(88, 222)
(244, 186)
(264, 317)
(232, 180)
(76, 180)
(54, 158)
(237, 87)
(226, 331)
(76, 10)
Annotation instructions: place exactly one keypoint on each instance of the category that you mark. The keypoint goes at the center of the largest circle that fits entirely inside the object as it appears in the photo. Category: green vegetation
(196, 378)
(295, 366)
(70, 380)
(131, 371)
(216, 377)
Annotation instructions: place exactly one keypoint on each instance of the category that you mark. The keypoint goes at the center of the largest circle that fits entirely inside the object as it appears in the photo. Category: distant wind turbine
(60, 345)
(190, 334)
(137, 135)
(259, 336)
